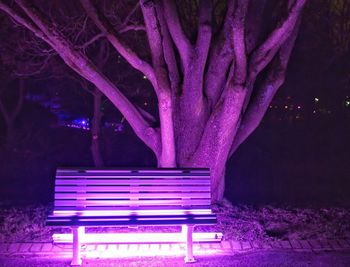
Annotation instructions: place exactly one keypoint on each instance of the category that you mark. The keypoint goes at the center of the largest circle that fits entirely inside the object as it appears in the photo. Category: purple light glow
(134, 238)
(126, 212)
(117, 251)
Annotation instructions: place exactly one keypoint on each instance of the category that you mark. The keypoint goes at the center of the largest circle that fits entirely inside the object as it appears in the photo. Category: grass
(243, 223)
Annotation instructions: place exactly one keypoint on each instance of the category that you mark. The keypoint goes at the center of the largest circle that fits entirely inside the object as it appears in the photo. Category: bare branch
(91, 41)
(24, 22)
(84, 67)
(264, 54)
(254, 25)
(131, 28)
(220, 58)
(169, 53)
(204, 34)
(181, 41)
(163, 91)
(264, 94)
(238, 41)
(38, 68)
(128, 17)
(106, 28)
(156, 45)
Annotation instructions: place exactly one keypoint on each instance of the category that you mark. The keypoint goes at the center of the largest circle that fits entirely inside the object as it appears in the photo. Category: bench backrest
(128, 190)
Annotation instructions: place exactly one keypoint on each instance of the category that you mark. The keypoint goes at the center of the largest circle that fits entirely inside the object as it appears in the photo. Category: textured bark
(96, 130)
(208, 101)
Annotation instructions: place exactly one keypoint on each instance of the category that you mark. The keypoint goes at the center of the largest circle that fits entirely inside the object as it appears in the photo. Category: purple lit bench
(136, 197)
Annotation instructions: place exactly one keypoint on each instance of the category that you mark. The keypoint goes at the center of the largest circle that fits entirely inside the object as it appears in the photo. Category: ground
(241, 223)
(251, 259)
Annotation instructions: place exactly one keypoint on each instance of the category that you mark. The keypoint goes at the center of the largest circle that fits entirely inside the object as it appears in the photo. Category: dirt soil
(241, 222)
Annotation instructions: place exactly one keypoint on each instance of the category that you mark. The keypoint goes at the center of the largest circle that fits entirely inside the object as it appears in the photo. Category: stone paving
(224, 248)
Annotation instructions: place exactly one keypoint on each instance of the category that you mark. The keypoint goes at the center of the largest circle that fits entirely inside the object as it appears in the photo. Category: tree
(213, 66)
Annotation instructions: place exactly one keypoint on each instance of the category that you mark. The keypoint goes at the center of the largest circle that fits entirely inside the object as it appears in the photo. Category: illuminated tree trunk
(208, 98)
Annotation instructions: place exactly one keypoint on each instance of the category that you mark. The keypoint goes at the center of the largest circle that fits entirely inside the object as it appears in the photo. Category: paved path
(230, 247)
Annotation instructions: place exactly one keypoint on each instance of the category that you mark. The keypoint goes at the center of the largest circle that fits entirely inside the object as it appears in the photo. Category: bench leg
(76, 246)
(187, 231)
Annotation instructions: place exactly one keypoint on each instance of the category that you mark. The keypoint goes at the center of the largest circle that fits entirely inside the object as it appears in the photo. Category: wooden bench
(136, 197)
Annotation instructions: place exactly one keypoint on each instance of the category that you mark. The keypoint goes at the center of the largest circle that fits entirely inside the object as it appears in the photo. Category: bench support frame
(187, 232)
(77, 236)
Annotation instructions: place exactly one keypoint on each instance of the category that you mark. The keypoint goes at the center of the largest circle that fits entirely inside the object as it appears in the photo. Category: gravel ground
(242, 223)
(251, 259)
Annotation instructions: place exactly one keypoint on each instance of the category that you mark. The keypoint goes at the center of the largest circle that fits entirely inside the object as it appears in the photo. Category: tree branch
(174, 25)
(91, 41)
(220, 58)
(239, 42)
(131, 13)
(169, 53)
(155, 40)
(24, 22)
(106, 28)
(84, 67)
(204, 35)
(265, 93)
(254, 24)
(131, 28)
(264, 54)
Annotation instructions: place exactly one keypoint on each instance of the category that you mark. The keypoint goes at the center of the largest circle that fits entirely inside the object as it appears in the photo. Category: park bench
(131, 197)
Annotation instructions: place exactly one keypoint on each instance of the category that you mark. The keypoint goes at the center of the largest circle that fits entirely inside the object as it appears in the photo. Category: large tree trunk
(208, 100)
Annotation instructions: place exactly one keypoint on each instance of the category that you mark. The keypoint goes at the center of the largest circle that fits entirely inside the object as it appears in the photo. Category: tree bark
(96, 130)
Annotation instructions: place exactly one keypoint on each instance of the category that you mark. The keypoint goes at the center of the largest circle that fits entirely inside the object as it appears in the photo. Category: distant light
(299, 107)
(285, 107)
(317, 99)
(347, 103)
(144, 77)
(83, 122)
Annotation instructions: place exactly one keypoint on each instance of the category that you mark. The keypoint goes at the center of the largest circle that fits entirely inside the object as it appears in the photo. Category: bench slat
(128, 212)
(135, 172)
(113, 195)
(133, 220)
(108, 188)
(152, 202)
(131, 176)
(130, 182)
